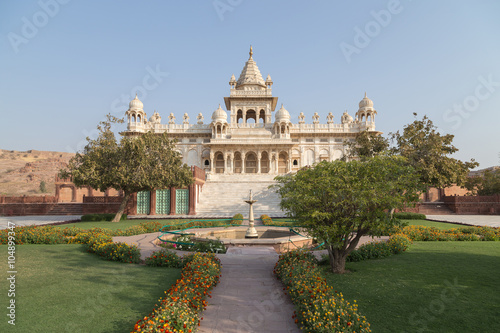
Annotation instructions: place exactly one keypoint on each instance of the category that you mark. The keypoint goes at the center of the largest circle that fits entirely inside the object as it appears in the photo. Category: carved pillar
(259, 156)
(224, 158)
(152, 202)
(172, 201)
(73, 193)
(243, 166)
(192, 199)
(231, 155)
(133, 210)
(212, 167)
(58, 188)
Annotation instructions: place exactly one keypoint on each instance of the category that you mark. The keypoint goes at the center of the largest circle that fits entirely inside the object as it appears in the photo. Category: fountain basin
(281, 239)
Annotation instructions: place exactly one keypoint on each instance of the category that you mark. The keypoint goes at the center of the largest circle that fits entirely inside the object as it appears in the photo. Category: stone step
(434, 208)
(225, 194)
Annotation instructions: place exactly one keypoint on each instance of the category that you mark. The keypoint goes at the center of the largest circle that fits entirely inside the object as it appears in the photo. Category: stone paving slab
(22, 221)
(477, 220)
(249, 298)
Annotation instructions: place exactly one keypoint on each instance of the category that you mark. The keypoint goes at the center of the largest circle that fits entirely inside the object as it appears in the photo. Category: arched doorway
(251, 163)
(219, 163)
(237, 162)
(282, 160)
(264, 163)
(251, 114)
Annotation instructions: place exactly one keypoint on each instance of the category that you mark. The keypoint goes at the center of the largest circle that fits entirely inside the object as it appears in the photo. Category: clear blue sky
(65, 66)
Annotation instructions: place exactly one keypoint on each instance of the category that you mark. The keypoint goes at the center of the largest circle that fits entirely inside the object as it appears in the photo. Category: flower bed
(421, 233)
(318, 307)
(164, 258)
(178, 310)
(185, 243)
(103, 245)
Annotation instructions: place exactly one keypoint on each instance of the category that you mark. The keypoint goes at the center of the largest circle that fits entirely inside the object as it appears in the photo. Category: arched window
(251, 163)
(262, 116)
(219, 163)
(239, 116)
(264, 162)
(237, 162)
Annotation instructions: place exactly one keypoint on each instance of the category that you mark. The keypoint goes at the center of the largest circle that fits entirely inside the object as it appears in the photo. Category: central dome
(366, 102)
(282, 114)
(219, 115)
(135, 104)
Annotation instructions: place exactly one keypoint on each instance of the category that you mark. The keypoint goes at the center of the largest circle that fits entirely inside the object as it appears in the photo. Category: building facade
(247, 138)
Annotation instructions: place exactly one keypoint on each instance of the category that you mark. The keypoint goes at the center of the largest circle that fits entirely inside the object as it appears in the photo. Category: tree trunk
(123, 205)
(337, 260)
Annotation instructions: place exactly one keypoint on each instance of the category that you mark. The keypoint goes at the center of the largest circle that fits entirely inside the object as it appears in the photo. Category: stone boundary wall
(481, 205)
(21, 209)
(28, 199)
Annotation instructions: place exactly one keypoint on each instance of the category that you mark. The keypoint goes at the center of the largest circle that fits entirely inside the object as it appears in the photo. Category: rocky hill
(21, 172)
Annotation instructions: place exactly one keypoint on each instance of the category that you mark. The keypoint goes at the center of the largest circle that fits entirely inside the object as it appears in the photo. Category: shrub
(164, 258)
(100, 217)
(237, 219)
(372, 250)
(266, 220)
(399, 243)
(318, 307)
(184, 243)
(178, 310)
(153, 226)
(409, 216)
(35, 235)
(43, 187)
(421, 233)
(103, 246)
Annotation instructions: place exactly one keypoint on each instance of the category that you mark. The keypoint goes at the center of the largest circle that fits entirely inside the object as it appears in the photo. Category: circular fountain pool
(282, 239)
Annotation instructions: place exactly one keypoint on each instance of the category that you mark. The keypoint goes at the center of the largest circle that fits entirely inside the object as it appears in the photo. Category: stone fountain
(251, 231)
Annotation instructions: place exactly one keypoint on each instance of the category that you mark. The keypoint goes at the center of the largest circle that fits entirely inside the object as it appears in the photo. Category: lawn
(61, 288)
(117, 225)
(434, 287)
(439, 225)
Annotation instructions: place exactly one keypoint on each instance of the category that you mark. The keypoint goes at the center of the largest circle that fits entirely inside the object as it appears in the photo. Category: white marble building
(251, 140)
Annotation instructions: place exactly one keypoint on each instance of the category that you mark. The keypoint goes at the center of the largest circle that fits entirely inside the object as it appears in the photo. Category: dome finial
(365, 93)
(251, 51)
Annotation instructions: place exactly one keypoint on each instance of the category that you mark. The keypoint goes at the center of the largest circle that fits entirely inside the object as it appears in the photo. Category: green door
(143, 203)
(181, 202)
(162, 202)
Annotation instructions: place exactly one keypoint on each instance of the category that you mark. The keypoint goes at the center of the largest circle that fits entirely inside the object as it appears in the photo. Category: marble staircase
(224, 195)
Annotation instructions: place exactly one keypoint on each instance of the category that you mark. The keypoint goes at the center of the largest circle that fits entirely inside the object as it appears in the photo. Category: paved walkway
(22, 221)
(249, 298)
(477, 220)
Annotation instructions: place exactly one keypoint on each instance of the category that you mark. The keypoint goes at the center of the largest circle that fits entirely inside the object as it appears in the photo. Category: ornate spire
(250, 74)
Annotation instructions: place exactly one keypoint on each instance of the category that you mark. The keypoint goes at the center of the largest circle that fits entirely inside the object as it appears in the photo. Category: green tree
(429, 153)
(365, 145)
(43, 187)
(338, 202)
(488, 183)
(132, 164)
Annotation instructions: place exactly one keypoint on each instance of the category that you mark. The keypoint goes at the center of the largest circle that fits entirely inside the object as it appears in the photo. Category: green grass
(439, 225)
(411, 292)
(116, 225)
(61, 288)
